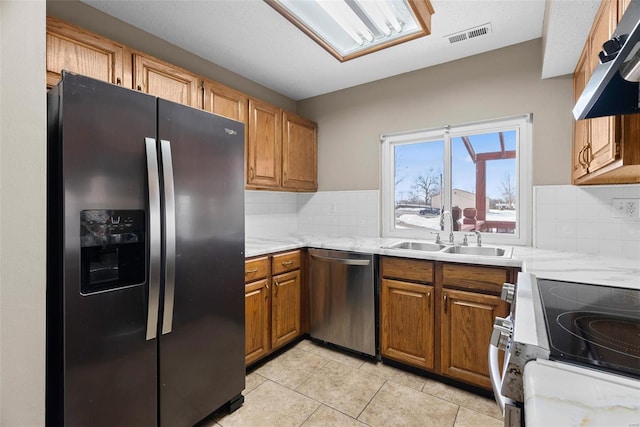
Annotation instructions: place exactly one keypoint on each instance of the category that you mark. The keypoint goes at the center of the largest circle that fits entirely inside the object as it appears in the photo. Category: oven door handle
(494, 374)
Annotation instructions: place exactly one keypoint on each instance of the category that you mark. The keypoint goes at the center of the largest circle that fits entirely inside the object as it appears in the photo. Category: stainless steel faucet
(450, 224)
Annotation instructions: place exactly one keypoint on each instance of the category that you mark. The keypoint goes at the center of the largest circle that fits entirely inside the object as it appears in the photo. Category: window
(478, 172)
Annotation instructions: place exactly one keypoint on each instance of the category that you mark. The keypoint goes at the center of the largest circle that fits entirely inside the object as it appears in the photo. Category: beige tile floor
(311, 385)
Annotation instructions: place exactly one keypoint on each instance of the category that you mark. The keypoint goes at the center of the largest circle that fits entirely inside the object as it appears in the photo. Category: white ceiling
(249, 38)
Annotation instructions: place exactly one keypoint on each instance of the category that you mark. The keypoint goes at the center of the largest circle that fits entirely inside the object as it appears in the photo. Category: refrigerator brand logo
(230, 131)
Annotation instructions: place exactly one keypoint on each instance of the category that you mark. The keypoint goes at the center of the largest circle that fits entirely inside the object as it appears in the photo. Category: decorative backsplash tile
(567, 218)
(580, 219)
(344, 213)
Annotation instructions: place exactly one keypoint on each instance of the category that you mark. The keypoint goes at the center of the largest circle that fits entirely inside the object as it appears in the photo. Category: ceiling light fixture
(348, 29)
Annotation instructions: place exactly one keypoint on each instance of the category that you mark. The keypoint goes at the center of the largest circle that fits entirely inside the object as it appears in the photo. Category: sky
(416, 159)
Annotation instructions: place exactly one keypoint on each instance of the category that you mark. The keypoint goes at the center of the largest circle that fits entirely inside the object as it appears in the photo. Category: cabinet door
(73, 49)
(407, 331)
(285, 308)
(604, 137)
(226, 102)
(264, 147)
(466, 324)
(581, 127)
(299, 153)
(165, 81)
(256, 309)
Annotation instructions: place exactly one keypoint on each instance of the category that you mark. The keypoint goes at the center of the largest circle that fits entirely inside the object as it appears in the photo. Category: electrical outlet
(626, 208)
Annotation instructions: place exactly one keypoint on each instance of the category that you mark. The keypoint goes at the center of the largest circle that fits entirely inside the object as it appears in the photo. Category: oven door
(501, 339)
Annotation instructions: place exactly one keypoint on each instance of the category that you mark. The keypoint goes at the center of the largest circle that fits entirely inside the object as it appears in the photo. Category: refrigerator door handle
(170, 235)
(154, 237)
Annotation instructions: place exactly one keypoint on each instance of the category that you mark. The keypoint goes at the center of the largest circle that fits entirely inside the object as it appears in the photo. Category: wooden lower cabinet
(407, 330)
(272, 303)
(438, 316)
(257, 303)
(285, 308)
(466, 322)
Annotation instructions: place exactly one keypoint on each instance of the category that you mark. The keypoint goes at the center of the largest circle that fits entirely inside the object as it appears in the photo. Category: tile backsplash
(333, 213)
(566, 217)
(580, 219)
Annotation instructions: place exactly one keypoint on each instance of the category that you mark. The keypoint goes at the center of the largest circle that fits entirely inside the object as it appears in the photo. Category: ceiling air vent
(470, 33)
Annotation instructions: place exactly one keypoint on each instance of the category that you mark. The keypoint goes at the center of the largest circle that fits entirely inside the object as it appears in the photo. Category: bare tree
(398, 174)
(508, 190)
(428, 185)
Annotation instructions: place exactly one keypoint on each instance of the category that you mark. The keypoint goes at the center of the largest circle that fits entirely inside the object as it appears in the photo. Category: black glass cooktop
(593, 325)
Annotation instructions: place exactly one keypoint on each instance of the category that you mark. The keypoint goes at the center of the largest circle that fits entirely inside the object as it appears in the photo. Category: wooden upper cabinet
(166, 81)
(581, 127)
(73, 49)
(224, 101)
(264, 145)
(604, 131)
(299, 153)
(605, 149)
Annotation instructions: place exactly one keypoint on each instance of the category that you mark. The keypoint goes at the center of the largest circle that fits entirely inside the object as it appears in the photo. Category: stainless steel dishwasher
(342, 297)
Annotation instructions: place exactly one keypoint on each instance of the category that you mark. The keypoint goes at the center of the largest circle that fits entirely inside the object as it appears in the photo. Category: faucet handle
(438, 241)
(478, 238)
(476, 234)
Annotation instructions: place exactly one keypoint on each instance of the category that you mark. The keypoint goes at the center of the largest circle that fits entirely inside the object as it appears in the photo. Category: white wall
(22, 212)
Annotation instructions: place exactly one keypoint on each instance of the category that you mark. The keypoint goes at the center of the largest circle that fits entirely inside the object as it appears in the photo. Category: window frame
(522, 124)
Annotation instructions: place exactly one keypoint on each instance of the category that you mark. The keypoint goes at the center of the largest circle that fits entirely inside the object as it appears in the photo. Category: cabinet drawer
(489, 279)
(286, 262)
(255, 269)
(408, 269)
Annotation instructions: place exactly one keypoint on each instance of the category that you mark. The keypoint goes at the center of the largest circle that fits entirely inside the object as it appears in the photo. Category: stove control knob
(501, 334)
(508, 292)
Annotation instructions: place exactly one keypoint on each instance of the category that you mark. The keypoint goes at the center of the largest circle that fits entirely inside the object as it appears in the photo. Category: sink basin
(417, 246)
(475, 250)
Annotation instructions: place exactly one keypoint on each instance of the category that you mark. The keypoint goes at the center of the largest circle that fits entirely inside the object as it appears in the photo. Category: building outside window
(478, 172)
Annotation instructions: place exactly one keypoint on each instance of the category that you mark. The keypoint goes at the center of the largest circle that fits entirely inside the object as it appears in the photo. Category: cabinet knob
(139, 87)
(118, 81)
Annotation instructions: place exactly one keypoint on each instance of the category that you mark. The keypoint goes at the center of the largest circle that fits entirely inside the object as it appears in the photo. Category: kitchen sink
(478, 250)
(417, 246)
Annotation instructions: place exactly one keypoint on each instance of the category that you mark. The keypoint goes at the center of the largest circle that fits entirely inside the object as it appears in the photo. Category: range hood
(613, 88)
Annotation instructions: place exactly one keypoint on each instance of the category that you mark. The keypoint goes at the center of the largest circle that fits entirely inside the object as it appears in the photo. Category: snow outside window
(479, 172)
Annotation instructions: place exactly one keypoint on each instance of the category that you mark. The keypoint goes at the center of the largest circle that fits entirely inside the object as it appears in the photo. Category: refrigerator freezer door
(202, 358)
(97, 339)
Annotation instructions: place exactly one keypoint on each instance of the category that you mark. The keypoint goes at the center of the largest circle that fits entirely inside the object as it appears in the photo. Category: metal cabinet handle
(445, 302)
(287, 263)
(345, 261)
(154, 237)
(587, 154)
(253, 270)
(252, 173)
(580, 157)
(118, 81)
(429, 299)
(170, 235)
(139, 87)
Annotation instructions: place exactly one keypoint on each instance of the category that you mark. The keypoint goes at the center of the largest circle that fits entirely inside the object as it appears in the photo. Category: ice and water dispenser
(112, 249)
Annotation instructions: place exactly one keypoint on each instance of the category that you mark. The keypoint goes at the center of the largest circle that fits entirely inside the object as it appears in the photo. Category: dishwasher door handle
(344, 261)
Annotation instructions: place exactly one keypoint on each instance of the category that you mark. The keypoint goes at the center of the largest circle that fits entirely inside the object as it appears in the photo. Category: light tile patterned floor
(311, 385)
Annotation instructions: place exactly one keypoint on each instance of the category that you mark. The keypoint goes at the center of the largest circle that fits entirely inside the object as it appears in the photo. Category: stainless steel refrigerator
(145, 286)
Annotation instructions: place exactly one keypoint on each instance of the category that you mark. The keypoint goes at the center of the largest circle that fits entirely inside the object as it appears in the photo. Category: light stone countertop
(587, 397)
(548, 264)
